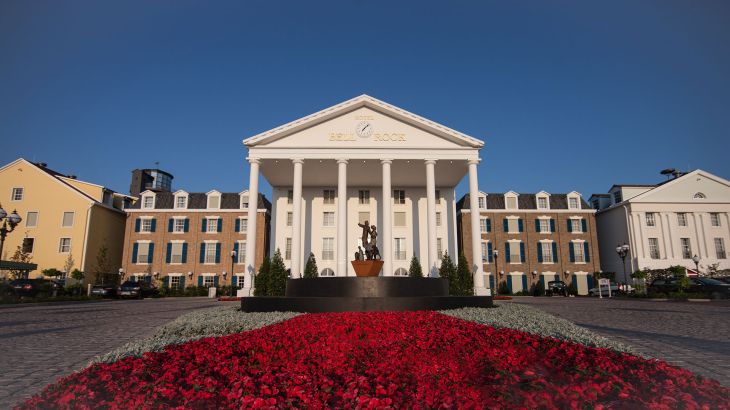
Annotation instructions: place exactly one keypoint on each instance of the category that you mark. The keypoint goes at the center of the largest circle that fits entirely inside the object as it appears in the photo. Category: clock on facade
(364, 129)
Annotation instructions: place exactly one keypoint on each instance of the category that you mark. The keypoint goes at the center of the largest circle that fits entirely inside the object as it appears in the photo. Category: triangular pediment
(363, 122)
(697, 186)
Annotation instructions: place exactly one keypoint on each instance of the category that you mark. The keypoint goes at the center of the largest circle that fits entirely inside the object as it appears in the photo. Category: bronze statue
(371, 246)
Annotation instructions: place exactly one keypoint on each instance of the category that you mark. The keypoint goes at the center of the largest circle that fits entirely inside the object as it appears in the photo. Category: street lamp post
(623, 251)
(9, 224)
(496, 271)
(696, 260)
(233, 258)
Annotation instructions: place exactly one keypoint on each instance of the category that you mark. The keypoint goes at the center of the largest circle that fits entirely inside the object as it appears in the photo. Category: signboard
(601, 283)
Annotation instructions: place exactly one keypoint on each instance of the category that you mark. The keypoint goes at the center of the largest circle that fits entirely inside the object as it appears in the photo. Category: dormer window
(574, 200)
(510, 200)
(244, 202)
(181, 200)
(214, 200)
(482, 201)
(543, 200)
(148, 202)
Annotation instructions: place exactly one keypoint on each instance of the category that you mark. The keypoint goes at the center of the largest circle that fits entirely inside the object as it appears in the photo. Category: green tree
(261, 284)
(22, 257)
(310, 270)
(277, 276)
(448, 271)
(77, 275)
(52, 272)
(680, 273)
(415, 270)
(464, 278)
(103, 268)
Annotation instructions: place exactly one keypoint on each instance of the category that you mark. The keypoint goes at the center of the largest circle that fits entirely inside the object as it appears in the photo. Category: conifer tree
(448, 271)
(415, 271)
(261, 283)
(277, 276)
(311, 271)
(464, 278)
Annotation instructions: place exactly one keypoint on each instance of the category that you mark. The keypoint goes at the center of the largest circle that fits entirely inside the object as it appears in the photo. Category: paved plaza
(42, 342)
(693, 335)
(46, 341)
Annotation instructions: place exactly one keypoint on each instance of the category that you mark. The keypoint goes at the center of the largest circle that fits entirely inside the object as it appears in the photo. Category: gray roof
(524, 201)
(199, 200)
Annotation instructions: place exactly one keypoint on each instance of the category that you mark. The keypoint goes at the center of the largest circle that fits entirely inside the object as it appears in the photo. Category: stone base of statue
(365, 268)
(363, 294)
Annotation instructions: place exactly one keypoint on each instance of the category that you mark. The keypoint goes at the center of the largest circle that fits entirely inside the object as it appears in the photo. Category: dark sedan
(703, 286)
(556, 287)
(32, 287)
(138, 290)
(104, 291)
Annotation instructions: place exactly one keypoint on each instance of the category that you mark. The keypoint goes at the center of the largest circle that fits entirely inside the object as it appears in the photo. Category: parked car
(556, 287)
(615, 289)
(105, 291)
(703, 286)
(32, 287)
(724, 279)
(138, 290)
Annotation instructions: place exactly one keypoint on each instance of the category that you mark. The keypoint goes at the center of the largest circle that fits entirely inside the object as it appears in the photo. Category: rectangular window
(328, 249)
(686, 248)
(328, 219)
(143, 252)
(179, 225)
(542, 203)
(148, 202)
(650, 219)
(244, 202)
(363, 196)
(400, 249)
(244, 225)
(290, 197)
(208, 281)
(329, 196)
(681, 219)
(573, 203)
(714, 219)
(576, 225)
(68, 220)
(580, 256)
(654, 248)
(510, 202)
(399, 196)
(29, 242)
(210, 249)
(483, 225)
(547, 252)
(174, 282)
(289, 218)
(181, 202)
(31, 219)
(17, 194)
(287, 249)
(176, 251)
(399, 219)
(544, 225)
(212, 225)
(438, 218)
(241, 254)
(719, 248)
(513, 225)
(617, 197)
(145, 225)
(485, 252)
(482, 202)
(362, 217)
(515, 254)
(439, 249)
(214, 202)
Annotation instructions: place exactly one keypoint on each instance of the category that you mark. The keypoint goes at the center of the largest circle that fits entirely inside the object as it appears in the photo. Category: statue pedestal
(367, 268)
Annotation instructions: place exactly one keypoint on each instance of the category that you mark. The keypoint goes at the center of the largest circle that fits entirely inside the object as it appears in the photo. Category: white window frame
(180, 245)
(572, 205)
(287, 249)
(63, 219)
(547, 250)
(145, 204)
(14, 197)
(208, 254)
(328, 219)
(439, 248)
(328, 249)
(244, 203)
(685, 245)
(438, 218)
(147, 254)
(209, 280)
(208, 224)
(27, 219)
(576, 225)
(650, 219)
(145, 224)
(184, 197)
(482, 202)
(544, 225)
(511, 195)
(514, 244)
(289, 218)
(399, 249)
(243, 225)
(178, 224)
(578, 249)
(720, 251)
(653, 245)
(363, 197)
(172, 281)
(682, 219)
(241, 254)
(212, 196)
(326, 273)
(485, 252)
(483, 225)
(715, 220)
(399, 196)
(328, 196)
(516, 223)
(61, 245)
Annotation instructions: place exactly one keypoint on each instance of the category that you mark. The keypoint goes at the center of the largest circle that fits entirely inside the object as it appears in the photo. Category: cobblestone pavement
(42, 342)
(693, 335)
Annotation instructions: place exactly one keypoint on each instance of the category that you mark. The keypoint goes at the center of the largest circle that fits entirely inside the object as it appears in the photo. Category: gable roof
(495, 200)
(355, 103)
(199, 200)
(675, 181)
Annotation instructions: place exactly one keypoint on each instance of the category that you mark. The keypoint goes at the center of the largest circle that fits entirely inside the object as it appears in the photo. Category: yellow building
(62, 217)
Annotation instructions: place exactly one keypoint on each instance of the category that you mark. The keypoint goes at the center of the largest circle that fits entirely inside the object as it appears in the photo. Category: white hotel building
(364, 159)
(665, 224)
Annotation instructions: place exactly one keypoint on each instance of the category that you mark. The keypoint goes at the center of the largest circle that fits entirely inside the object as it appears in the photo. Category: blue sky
(567, 95)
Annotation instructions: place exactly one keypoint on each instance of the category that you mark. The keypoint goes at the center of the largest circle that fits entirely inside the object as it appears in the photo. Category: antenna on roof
(675, 173)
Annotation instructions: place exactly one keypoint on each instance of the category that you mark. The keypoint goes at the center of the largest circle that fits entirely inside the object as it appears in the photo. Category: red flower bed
(380, 360)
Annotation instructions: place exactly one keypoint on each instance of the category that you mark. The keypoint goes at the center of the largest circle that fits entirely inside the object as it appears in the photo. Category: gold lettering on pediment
(394, 136)
(339, 136)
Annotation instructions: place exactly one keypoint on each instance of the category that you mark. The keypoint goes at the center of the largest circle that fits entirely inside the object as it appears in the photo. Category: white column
(431, 216)
(387, 228)
(342, 217)
(669, 238)
(296, 234)
(641, 220)
(698, 242)
(476, 234)
(253, 202)
(704, 235)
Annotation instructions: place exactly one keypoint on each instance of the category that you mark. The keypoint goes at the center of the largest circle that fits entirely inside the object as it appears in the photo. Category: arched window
(699, 195)
(327, 272)
(401, 272)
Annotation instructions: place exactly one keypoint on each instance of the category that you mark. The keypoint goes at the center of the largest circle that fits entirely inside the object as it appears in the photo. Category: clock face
(364, 129)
